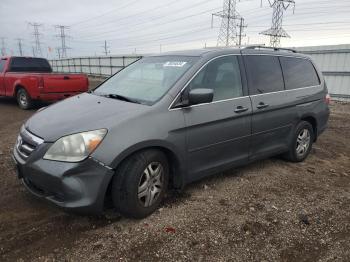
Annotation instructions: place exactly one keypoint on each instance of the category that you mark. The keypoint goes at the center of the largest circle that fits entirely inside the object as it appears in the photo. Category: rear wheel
(302, 142)
(23, 99)
(140, 184)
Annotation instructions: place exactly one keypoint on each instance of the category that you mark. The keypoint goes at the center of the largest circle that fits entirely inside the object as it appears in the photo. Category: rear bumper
(78, 187)
(55, 96)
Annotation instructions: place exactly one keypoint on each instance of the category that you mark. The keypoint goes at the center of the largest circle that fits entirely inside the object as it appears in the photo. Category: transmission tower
(3, 46)
(19, 43)
(106, 49)
(62, 35)
(276, 31)
(37, 49)
(230, 21)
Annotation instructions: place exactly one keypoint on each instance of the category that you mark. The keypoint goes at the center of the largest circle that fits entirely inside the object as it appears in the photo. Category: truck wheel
(23, 99)
(140, 184)
(302, 142)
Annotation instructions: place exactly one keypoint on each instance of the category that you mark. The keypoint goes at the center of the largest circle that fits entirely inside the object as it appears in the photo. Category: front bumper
(80, 187)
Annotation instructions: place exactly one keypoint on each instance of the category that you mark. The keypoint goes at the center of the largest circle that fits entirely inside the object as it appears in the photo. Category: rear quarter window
(30, 64)
(264, 74)
(298, 73)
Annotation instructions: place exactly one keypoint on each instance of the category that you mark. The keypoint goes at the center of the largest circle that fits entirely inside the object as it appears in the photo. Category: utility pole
(229, 23)
(58, 52)
(106, 50)
(20, 49)
(3, 46)
(62, 35)
(276, 31)
(37, 42)
(241, 28)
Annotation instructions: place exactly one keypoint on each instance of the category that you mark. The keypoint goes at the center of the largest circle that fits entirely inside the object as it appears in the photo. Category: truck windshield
(30, 64)
(148, 79)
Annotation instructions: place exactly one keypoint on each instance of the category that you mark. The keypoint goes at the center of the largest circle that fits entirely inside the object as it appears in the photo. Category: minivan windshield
(146, 80)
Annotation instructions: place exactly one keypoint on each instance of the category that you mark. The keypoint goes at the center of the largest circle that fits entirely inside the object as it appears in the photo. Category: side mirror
(200, 96)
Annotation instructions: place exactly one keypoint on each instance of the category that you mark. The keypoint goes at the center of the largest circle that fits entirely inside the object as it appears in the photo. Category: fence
(333, 61)
(95, 66)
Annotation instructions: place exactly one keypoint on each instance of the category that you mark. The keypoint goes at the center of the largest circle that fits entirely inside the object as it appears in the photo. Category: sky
(153, 26)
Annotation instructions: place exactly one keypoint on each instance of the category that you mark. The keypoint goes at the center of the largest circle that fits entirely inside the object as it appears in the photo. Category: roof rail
(271, 48)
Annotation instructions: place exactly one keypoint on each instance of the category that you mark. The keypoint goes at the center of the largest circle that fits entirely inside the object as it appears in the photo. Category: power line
(62, 35)
(37, 50)
(276, 31)
(19, 43)
(228, 30)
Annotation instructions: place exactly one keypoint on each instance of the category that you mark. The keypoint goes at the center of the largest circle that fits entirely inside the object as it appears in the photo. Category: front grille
(27, 143)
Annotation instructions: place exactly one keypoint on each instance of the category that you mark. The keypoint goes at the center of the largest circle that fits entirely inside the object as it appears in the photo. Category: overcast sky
(148, 26)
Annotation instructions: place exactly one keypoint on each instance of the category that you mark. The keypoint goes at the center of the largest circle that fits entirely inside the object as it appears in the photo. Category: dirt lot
(268, 211)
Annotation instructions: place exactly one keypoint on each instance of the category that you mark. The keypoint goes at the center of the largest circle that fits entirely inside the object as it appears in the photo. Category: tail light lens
(41, 82)
(327, 99)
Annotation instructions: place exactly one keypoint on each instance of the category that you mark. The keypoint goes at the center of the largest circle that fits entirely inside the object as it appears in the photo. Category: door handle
(261, 105)
(240, 109)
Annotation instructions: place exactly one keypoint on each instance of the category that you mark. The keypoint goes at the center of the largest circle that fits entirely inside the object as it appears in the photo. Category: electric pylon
(36, 33)
(62, 35)
(276, 31)
(230, 21)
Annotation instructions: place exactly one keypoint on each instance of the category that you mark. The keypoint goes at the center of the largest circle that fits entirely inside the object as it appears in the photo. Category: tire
(301, 145)
(137, 190)
(24, 100)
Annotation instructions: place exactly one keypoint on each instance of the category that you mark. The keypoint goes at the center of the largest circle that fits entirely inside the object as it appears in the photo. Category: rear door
(2, 76)
(218, 133)
(273, 109)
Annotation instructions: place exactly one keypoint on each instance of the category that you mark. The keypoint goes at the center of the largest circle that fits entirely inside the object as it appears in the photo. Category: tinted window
(264, 74)
(29, 64)
(298, 73)
(223, 76)
(2, 65)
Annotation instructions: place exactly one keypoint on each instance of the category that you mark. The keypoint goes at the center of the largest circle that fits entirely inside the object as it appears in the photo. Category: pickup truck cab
(29, 79)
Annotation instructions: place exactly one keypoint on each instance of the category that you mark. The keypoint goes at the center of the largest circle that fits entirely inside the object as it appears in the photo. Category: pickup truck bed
(30, 79)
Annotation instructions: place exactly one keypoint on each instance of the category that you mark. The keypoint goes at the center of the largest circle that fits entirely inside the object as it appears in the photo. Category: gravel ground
(271, 210)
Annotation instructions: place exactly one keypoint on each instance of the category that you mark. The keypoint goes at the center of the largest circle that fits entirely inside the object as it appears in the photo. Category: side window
(264, 74)
(223, 76)
(298, 73)
(2, 65)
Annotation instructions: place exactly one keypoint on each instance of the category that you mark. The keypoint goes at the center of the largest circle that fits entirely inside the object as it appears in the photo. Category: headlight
(77, 147)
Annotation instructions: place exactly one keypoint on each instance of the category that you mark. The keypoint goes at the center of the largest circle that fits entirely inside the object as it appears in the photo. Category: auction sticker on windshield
(175, 64)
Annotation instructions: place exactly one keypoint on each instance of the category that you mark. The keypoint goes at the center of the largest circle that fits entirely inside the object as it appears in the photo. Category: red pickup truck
(29, 79)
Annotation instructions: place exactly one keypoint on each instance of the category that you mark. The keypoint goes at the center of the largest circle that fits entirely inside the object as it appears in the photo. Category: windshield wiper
(123, 98)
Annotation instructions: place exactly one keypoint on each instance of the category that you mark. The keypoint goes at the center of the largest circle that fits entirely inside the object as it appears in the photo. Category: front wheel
(301, 145)
(24, 100)
(140, 183)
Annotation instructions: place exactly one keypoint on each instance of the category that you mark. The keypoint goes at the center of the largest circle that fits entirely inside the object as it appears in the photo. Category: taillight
(41, 82)
(327, 99)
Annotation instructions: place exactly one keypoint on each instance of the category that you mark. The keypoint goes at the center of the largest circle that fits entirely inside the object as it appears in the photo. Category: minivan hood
(81, 113)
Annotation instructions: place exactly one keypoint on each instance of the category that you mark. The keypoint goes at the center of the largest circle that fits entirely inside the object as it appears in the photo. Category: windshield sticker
(175, 64)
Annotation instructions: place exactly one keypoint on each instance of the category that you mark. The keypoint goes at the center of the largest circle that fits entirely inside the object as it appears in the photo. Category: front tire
(301, 145)
(24, 100)
(140, 183)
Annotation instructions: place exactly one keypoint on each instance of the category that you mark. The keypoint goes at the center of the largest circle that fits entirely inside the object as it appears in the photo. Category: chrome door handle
(261, 105)
(240, 109)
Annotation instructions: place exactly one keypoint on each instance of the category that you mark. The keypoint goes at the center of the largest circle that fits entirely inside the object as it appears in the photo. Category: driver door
(218, 133)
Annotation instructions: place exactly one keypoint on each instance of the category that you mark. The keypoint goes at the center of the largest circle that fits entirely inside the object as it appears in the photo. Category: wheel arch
(313, 121)
(176, 164)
